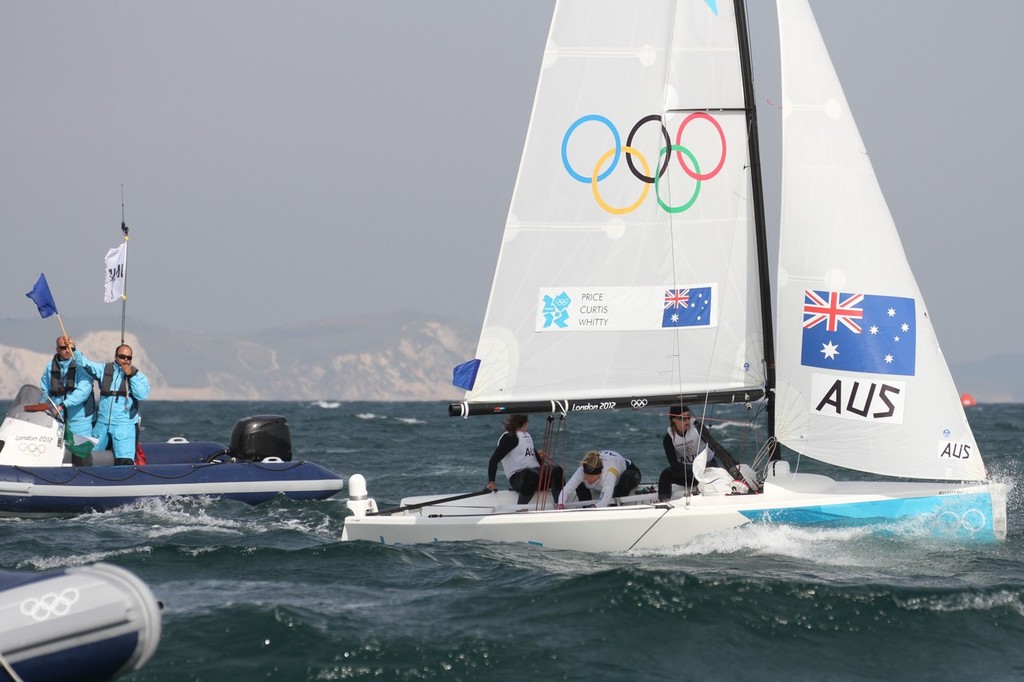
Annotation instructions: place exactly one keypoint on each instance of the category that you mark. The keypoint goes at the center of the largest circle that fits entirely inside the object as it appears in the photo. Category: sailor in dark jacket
(526, 468)
(686, 438)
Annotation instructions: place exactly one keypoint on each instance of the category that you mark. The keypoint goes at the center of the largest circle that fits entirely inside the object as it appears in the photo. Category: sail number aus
(954, 450)
(858, 399)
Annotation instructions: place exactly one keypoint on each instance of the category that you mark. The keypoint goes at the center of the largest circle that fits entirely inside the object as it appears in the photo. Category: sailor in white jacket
(606, 473)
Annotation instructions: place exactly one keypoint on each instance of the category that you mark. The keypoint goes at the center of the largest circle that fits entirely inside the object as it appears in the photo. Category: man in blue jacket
(69, 386)
(122, 387)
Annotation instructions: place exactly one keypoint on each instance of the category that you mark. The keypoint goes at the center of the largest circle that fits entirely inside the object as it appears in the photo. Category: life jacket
(57, 387)
(521, 456)
(613, 463)
(108, 378)
(688, 445)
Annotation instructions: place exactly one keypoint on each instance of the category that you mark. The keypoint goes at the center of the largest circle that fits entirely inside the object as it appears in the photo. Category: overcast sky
(284, 162)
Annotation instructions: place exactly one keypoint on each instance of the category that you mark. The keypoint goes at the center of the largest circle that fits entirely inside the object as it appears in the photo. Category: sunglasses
(124, 357)
(63, 347)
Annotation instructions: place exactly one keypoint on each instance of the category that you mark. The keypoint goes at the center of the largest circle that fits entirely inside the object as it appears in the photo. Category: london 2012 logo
(686, 159)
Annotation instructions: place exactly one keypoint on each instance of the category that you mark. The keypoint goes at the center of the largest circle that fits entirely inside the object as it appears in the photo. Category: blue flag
(42, 297)
(464, 375)
(687, 307)
(859, 332)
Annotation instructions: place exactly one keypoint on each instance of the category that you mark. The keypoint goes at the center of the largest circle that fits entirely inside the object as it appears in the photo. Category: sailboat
(633, 274)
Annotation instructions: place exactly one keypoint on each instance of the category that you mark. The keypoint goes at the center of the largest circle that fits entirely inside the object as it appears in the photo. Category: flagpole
(61, 323)
(124, 290)
(124, 306)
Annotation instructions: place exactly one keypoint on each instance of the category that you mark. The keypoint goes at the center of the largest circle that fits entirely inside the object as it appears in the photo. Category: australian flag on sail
(687, 307)
(859, 332)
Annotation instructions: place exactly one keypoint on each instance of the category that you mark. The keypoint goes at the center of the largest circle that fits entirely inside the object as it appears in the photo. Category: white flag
(113, 287)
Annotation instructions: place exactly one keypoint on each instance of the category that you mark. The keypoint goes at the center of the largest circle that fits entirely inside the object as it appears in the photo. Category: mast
(760, 231)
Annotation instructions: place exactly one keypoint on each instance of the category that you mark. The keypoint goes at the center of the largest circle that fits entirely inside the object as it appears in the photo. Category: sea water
(270, 592)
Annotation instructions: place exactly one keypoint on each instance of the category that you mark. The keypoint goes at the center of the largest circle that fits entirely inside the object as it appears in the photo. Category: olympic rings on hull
(970, 521)
(684, 156)
(50, 605)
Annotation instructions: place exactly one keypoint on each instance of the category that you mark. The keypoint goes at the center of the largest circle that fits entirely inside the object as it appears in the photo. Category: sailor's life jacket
(57, 386)
(108, 378)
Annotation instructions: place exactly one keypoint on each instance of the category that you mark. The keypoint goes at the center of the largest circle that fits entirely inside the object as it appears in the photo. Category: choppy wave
(271, 591)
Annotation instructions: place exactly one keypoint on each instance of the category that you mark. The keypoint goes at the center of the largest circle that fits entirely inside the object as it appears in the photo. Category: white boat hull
(969, 512)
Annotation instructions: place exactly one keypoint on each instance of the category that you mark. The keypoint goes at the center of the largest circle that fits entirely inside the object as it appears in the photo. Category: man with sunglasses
(122, 387)
(686, 438)
(70, 388)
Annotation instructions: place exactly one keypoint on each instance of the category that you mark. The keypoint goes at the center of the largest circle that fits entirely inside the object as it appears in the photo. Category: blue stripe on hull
(163, 479)
(967, 516)
(41, 504)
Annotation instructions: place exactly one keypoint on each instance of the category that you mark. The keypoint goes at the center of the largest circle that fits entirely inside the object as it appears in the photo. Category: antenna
(124, 291)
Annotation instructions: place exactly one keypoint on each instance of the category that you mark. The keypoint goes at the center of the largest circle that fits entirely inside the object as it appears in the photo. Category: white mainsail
(861, 381)
(608, 283)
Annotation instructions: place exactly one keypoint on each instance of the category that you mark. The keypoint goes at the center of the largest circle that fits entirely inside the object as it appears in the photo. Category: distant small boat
(86, 623)
(39, 476)
(967, 400)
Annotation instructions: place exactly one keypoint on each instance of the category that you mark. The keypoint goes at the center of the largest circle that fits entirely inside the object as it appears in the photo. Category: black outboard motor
(260, 437)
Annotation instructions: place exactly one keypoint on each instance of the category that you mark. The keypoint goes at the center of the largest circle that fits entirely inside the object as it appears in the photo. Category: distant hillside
(400, 356)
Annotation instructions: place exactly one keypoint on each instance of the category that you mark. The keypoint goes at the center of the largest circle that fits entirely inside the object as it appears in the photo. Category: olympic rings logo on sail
(630, 152)
(50, 604)
(32, 448)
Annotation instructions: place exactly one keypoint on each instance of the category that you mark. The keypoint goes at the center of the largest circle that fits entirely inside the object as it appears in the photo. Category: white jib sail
(861, 380)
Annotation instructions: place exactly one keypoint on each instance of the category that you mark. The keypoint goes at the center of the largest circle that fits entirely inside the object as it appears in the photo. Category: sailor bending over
(606, 473)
